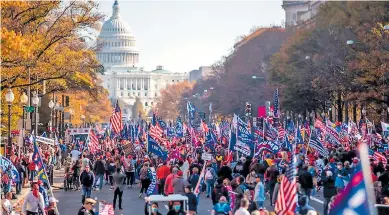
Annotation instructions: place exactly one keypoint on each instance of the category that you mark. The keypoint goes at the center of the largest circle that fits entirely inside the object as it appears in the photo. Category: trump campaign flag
(154, 148)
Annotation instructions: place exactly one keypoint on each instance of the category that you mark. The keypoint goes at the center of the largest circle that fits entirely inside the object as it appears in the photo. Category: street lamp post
(35, 102)
(23, 100)
(9, 97)
(56, 107)
(51, 106)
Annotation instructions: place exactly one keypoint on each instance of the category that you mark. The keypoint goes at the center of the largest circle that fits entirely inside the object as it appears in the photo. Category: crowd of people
(235, 183)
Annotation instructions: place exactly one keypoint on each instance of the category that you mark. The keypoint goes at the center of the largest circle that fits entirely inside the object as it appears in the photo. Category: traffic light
(67, 101)
(248, 109)
(268, 109)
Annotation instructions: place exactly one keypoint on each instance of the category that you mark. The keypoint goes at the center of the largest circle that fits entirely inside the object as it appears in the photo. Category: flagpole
(366, 170)
(44, 170)
(309, 140)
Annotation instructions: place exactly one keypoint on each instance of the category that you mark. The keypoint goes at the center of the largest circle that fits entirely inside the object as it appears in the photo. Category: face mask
(177, 207)
(154, 210)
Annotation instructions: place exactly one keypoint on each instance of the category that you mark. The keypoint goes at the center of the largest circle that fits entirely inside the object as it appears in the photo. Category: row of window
(129, 94)
(114, 29)
(120, 44)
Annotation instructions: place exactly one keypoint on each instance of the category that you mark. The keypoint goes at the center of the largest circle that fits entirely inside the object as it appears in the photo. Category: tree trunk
(339, 104)
(355, 112)
(346, 110)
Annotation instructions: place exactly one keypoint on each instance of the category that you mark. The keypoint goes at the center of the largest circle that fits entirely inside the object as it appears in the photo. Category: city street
(70, 201)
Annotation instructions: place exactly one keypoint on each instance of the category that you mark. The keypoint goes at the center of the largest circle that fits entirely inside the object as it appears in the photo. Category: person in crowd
(176, 209)
(87, 207)
(210, 175)
(179, 184)
(225, 171)
(75, 155)
(169, 181)
(130, 171)
(192, 200)
(76, 174)
(259, 193)
(219, 191)
(86, 178)
(341, 177)
(243, 207)
(99, 170)
(6, 205)
(118, 179)
(271, 173)
(222, 207)
(274, 195)
(306, 181)
(162, 173)
(33, 202)
(154, 209)
(241, 188)
(51, 210)
(144, 177)
(329, 189)
(111, 171)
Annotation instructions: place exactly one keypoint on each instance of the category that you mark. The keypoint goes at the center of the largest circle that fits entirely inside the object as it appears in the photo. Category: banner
(45, 140)
(244, 141)
(210, 140)
(154, 148)
(106, 209)
(152, 190)
(270, 146)
(179, 129)
(5, 165)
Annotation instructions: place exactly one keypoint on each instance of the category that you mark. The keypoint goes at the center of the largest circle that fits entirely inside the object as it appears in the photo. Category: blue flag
(244, 140)
(179, 128)
(162, 124)
(154, 148)
(37, 158)
(5, 165)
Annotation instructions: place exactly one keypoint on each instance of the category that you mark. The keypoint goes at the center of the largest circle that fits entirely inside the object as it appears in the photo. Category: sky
(184, 35)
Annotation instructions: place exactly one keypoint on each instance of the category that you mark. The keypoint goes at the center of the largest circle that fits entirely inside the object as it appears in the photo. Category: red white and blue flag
(287, 194)
(116, 119)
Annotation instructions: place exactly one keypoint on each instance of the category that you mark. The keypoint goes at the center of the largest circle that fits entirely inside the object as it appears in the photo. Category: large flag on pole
(93, 142)
(287, 194)
(37, 159)
(116, 119)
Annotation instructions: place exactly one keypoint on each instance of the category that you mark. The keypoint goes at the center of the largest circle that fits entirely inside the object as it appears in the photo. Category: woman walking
(144, 178)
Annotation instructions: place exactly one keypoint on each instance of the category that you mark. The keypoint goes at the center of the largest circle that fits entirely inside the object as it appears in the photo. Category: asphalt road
(70, 201)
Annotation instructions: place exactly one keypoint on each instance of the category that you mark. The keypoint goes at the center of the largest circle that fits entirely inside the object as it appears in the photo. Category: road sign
(206, 156)
(29, 109)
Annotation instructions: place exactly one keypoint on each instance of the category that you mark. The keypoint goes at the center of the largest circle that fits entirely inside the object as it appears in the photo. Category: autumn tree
(320, 68)
(168, 104)
(138, 109)
(45, 41)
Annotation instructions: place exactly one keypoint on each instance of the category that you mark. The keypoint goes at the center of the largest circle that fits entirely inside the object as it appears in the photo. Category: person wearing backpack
(209, 180)
(221, 208)
(219, 191)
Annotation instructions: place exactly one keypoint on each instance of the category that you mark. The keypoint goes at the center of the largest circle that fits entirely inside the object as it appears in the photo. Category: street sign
(206, 156)
(29, 109)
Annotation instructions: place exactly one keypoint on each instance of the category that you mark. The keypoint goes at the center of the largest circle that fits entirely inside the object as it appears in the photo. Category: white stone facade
(297, 12)
(123, 78)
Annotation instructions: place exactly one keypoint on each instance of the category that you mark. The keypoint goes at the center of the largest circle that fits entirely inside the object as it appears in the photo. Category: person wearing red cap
(179, 184)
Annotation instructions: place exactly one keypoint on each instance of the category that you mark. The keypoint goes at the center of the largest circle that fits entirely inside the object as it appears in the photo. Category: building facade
(202, 72)
(297, 12)
(124, 79)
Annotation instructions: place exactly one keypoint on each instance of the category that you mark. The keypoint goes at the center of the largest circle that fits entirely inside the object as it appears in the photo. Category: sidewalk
(58, 184)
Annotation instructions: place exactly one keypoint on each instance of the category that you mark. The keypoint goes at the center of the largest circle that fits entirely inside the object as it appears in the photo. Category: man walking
(99, 169)
(86, 178)
(118, 179)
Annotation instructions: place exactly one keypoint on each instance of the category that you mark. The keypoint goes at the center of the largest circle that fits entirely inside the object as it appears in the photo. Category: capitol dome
(118, 46)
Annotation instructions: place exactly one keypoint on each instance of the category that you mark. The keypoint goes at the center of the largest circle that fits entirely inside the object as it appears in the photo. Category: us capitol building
(123, 78)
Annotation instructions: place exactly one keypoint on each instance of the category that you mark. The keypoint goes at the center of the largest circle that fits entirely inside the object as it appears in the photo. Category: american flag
(116, 119)
(281, 132)
(276, 101)
(93, 142)
(377, 156)
(156, 131)
(287, 194)
(317, 145)
(204, 127)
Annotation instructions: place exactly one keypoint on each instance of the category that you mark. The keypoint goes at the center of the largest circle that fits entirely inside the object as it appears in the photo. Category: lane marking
(317, 200)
